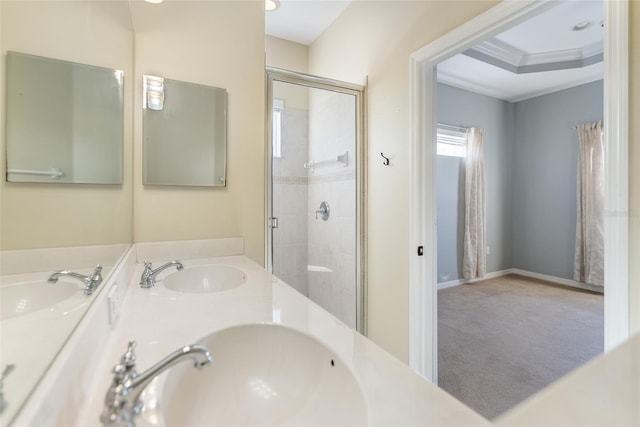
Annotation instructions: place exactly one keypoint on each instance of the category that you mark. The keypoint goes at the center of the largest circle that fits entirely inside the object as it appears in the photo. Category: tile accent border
(348, 175)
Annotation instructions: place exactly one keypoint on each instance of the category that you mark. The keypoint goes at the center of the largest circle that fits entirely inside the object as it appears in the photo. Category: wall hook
(386, 159)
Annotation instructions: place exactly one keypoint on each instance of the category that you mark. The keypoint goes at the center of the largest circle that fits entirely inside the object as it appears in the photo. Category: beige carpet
(502, 340)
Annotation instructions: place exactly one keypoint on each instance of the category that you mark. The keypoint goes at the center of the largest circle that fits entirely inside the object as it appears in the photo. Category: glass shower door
(314, 188)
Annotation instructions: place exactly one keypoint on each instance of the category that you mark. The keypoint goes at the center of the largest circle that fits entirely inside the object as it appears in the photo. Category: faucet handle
(126, 369)
(129, 357)
(7, 370)
(146, 274)
(96, 277)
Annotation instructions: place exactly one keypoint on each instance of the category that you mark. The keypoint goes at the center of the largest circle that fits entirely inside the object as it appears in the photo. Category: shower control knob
(323, 211)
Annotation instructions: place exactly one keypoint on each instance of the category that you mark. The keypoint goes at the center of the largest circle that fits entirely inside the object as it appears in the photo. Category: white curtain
(475, 259)
(589, 255)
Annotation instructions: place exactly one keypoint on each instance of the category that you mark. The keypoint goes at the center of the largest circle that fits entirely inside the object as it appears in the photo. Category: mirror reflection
(185, 133)
(65, 121)
(40, 309)
(47, 228)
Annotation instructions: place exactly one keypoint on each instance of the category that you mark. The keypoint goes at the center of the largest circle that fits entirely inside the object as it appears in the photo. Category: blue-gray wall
(530, 164)
(495, 117)
(545, 158)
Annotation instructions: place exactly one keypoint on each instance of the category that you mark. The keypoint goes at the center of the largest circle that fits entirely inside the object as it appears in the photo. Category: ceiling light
(271, 5)
(581, 25)
(154, 1)
(153, 88)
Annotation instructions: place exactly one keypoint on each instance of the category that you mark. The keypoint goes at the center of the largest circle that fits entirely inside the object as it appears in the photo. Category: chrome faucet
(122, 402)
(148, 278)
(91, 281)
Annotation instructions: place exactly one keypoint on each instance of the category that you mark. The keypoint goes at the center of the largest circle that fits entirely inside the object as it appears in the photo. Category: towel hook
(386, 159)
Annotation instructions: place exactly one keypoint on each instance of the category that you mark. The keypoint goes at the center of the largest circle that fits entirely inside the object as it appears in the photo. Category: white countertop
(162, 320)
(604, 392)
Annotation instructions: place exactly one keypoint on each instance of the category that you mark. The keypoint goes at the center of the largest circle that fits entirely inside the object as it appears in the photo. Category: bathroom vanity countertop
(162, 320)
(604, 392)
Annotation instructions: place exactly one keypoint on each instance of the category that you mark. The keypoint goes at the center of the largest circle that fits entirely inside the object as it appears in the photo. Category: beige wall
(219, 44)
(290, 56)
(286, 54)
(54, 215)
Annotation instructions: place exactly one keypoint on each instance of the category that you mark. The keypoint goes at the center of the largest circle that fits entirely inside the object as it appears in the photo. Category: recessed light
(271, 5)
(581, 25)
(154, 1)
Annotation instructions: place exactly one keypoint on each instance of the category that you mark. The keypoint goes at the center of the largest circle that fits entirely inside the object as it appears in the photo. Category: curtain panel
(589, 253)
(474, 261)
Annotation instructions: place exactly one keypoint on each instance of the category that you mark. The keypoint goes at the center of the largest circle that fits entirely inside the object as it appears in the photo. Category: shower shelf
(319, 269)
(342, 158)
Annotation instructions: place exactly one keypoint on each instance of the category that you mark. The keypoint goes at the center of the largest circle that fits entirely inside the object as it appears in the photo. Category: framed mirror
(185, 133)
(65, 121)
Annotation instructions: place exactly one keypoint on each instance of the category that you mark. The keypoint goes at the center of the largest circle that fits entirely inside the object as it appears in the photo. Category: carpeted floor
(502, 340)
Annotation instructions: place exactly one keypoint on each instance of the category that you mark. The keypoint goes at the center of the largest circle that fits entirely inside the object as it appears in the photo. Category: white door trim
(422, 222)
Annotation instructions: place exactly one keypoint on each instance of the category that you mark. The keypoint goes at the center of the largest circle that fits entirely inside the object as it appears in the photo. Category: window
(276, 137)
(451, 142)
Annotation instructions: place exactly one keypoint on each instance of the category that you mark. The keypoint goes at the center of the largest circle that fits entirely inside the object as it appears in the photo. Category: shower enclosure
(315, 187)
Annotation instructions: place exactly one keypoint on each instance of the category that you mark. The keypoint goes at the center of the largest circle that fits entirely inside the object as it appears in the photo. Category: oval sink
(24, 298)
(206, 278)
(263, 374)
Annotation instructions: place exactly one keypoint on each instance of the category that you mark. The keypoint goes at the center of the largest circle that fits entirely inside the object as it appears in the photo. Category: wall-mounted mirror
(65, 121)
(42, 222)
(185, 133)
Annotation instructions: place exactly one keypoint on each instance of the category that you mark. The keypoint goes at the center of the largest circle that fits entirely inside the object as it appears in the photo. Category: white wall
(55, 215)
(219, 44)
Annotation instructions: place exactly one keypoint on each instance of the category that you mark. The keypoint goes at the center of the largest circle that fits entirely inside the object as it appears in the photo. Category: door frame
(359, 91)
(423, 313)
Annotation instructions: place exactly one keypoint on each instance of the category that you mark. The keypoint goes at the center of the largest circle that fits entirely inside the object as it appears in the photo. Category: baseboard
(450, 284)
(525, 273)
(457, 282)
(558, 280)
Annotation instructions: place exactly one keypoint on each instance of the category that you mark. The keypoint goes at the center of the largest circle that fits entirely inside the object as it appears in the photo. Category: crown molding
(501, 51)
(501, 54)
(499, 93)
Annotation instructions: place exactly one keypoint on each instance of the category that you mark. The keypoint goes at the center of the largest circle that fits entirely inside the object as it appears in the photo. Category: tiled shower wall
(332, 243)
(290, 195)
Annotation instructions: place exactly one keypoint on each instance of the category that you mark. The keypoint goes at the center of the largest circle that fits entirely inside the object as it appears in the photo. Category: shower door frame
(359, 92)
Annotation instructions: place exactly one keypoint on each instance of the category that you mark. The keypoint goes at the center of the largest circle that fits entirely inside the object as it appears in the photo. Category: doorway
(315, 191)
(423, 281)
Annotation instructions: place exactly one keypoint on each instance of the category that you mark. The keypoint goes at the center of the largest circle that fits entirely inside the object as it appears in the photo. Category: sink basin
(24, 298)
(206, 278)
(263, 374)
